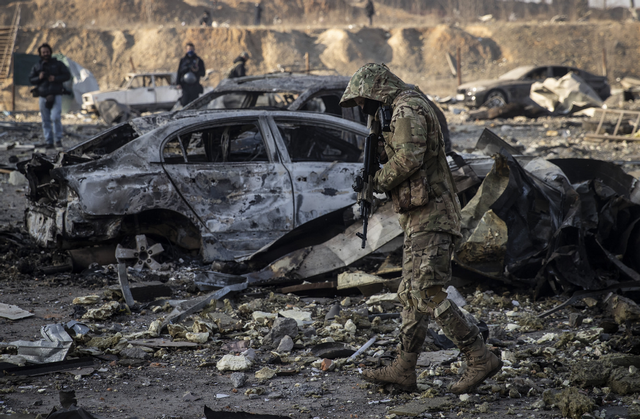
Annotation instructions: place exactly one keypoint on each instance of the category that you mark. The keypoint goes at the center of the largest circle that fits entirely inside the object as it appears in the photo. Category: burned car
(292, 91)
(295, 92)
(514, 86)
(221, 183)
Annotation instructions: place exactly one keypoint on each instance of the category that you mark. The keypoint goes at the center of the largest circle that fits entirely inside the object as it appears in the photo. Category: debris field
(294, 348)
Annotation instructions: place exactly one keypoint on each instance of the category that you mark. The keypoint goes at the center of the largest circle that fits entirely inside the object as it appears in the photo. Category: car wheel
(495, 99)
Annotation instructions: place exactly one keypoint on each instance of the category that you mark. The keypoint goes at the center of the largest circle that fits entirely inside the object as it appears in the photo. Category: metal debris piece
(162, 343)
(357, 279)
(177, 316)
(579, 295)
(143, 253)
(363, 348)
(12, 312)
(51, 367)
(332, 350)
(210, 280)
(55, 333)
(337, 252)
(42, 351)
(305, 288)
(124, 285)
(210, 414)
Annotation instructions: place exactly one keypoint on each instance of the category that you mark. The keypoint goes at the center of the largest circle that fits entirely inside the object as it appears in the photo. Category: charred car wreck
(229, 184)
(225, 183)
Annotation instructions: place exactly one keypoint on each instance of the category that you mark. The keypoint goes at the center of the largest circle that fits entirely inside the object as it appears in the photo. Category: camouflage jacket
(416, 175)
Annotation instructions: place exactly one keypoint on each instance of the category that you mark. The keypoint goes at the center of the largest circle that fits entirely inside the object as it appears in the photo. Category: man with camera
(190, 69)
(47, 76)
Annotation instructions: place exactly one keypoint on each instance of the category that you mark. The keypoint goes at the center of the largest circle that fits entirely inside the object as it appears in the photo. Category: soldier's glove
(358, 184)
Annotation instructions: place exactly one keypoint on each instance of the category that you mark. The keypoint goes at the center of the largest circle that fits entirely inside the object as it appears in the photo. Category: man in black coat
(190, 69)
(370, 10)
(48, 76)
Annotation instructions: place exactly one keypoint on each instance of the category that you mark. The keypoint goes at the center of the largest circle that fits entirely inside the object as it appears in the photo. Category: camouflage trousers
(426, 265)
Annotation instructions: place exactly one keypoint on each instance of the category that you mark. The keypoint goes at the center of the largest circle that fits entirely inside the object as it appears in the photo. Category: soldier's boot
(401, 373)
(481, 363)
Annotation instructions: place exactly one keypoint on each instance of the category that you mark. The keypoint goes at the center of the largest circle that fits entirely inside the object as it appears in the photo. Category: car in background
(221, 183)
(514, 86)
(284, 90)
(143, 92)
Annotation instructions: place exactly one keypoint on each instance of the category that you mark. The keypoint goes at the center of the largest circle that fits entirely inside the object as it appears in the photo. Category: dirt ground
(552, 368)
(178, 383)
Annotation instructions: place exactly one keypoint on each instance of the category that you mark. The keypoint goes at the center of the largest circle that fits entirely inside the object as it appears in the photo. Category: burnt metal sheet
(51, 367)
(12, 312)
(337, 252)
(554, 213)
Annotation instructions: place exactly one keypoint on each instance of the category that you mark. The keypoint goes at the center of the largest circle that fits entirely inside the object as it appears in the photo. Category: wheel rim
(495, 100)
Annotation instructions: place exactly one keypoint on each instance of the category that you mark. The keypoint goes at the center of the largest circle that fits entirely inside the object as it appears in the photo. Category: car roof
(149, 123)
(276, 82)
(524, 69)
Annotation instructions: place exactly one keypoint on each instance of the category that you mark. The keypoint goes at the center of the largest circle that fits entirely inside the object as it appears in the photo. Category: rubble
(222, 338)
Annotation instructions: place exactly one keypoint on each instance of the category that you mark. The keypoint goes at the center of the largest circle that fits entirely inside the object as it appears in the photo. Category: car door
(167, 94)
(141, 94)
(323, 154)
(230, 175)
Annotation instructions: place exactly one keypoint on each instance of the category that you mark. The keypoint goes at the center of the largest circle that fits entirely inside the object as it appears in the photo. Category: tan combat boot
(481, 364)
(401, 373)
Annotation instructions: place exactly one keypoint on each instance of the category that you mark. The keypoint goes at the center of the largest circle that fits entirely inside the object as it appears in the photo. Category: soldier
(238, 69)
(417, 176)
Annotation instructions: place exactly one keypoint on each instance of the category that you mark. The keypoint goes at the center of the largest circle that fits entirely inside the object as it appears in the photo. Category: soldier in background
(416, 175)
(238, 69)
(190, 69)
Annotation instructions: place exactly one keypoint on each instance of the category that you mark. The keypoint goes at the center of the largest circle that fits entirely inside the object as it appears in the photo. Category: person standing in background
(48, 76)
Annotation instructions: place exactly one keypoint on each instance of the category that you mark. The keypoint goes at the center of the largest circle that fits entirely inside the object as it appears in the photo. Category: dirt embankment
(416, 54)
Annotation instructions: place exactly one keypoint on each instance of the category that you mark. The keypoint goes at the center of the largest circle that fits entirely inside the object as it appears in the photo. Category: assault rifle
(363, 184)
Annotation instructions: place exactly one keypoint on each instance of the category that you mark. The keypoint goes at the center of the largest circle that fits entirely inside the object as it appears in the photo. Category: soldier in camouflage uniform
(417, 176)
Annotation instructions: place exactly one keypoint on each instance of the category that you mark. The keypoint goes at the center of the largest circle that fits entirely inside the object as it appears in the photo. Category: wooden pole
(604, 61)
(458, 65)
(13, 85)
(306, 61)
(132, 66)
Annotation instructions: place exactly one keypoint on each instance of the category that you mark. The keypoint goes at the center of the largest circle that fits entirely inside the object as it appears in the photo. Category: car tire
(495, 99)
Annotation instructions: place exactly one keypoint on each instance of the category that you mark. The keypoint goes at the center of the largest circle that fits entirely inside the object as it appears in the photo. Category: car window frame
(315, 119)
(273, 155)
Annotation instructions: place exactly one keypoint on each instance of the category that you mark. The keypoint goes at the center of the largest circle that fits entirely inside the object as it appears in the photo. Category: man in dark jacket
(238, 69)
(190, 69)
(257, 16)
(370, 11)
(48, 76)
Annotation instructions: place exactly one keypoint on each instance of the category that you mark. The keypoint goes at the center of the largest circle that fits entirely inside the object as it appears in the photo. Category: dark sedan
(515, 85)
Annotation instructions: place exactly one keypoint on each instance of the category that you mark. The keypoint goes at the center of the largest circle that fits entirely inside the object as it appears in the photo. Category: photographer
(48, 76)
(190, 69)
